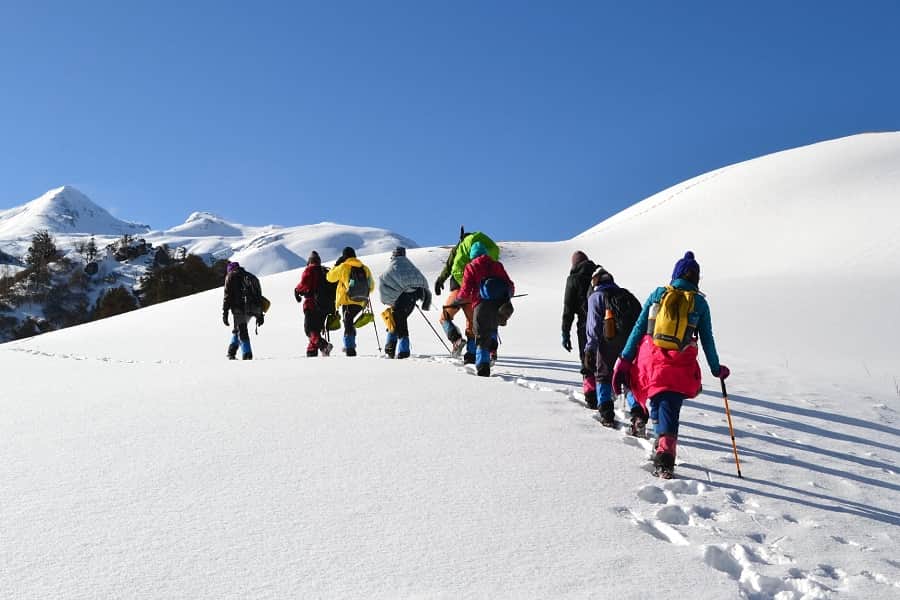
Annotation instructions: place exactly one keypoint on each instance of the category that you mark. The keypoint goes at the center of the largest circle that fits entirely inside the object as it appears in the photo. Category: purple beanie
(685, 266)
(231, 267)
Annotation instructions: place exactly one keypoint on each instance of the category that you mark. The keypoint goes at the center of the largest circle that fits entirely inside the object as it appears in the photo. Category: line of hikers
(479, 286)
(648, 352)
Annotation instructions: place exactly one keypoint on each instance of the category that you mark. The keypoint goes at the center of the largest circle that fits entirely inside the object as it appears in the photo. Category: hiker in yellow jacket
(354, 284)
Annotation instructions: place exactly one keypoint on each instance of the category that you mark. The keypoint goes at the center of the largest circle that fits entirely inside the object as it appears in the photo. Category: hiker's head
(399, 251)
(232, 266)
(578, 257)
(314, 258)
(601, 275)
(687, 268)
(477, 250)
(348, 252)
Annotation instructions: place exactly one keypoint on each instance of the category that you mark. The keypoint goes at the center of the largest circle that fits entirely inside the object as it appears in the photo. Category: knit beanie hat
(603, 275)
(314, 258)
(232, 266)
(477, 250)
(578, 257)
(348, 252)
(687, 268)
(399, 251)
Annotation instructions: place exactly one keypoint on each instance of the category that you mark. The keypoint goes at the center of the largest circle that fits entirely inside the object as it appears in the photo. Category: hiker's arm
(704, 330)
(335, 274)
(639, 329)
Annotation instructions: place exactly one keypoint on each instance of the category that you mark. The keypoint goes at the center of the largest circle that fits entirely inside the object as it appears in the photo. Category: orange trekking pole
(737, 462)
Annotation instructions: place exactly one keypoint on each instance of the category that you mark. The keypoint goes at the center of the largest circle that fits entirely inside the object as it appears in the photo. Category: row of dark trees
(61, 287)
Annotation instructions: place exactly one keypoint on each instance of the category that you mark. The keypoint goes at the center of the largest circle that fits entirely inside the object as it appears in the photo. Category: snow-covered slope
(139, 462)
(801, 248)
(63, 211)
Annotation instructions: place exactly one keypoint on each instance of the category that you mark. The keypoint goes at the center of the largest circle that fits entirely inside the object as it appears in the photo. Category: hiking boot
(232, 351)
(247, 356)
(663, 465)
(590, 398)
(326, 349)
(469, 358)
(457, 348)
(483, 370)
(638, 427)
(607, 414)
(311, 353)
(350, 351)
(402, 355)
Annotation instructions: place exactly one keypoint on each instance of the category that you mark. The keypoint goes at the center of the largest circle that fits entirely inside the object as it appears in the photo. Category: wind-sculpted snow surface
(139, 463)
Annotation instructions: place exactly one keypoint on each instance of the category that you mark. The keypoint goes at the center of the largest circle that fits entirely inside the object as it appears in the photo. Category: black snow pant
(401, 310)
(486, 321)
(349, 312)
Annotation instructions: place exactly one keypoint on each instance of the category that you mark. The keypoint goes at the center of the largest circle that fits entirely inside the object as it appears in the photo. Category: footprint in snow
(658, 529)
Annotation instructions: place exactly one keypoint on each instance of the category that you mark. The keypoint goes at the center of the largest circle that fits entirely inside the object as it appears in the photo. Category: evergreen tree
(114, 301)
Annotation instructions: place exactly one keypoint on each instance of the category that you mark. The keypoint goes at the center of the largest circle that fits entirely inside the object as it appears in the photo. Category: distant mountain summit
(63, 210)
(70, 216)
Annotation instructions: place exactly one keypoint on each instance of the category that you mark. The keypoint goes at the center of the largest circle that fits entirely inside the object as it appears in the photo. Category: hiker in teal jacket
(664, 378)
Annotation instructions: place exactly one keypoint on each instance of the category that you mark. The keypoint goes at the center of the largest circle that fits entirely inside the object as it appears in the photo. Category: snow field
(140, 463)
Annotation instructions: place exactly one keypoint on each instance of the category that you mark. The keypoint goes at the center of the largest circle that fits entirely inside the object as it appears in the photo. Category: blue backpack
(494, 288)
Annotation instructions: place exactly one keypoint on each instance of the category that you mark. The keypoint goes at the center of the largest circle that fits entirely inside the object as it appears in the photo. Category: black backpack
(625, 308)
(251, 292)
(358, 284)
(325, 293)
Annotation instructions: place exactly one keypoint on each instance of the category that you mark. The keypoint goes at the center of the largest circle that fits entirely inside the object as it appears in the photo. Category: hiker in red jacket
(487, 287)
(316, 307)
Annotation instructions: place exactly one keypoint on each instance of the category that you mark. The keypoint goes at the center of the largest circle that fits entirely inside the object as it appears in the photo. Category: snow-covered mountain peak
(203, 224)
(63, 210)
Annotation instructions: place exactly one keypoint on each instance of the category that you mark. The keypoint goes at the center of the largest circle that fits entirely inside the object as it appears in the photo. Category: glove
(438, 286)
(260, 319)
(567, 341)
(426, 304)
(298, 296)
(723, 373)
(225, 318)
(621, 375)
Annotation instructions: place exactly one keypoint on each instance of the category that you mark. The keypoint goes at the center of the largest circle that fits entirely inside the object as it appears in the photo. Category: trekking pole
(737, 462)
(375, 326)
(440, 339)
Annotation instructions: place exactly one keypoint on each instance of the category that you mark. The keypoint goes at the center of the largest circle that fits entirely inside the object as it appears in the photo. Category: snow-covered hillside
(140, 463)
(801, 247)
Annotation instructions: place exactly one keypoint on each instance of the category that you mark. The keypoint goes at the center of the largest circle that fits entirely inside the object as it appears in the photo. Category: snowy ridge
(70, 216)
(168, 471)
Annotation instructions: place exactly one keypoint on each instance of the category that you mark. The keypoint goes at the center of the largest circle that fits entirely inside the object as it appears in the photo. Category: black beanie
(348, 252)
(314, 258)
(399, 251)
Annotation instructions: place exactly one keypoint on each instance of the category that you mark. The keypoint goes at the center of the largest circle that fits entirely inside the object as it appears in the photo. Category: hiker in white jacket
(400, 286)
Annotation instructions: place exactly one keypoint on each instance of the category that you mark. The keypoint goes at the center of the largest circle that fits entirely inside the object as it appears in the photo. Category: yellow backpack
(671, 322)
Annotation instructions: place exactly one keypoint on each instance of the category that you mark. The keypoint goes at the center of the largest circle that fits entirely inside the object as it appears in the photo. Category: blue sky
(528, 120)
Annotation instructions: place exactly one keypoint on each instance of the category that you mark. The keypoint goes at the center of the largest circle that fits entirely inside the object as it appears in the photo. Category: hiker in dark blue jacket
(604, 344)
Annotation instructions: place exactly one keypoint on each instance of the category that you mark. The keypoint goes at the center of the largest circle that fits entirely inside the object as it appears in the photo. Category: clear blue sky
(528, 120)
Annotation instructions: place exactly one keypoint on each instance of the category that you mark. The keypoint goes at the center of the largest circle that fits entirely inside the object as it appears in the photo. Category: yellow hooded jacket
(341, 275)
